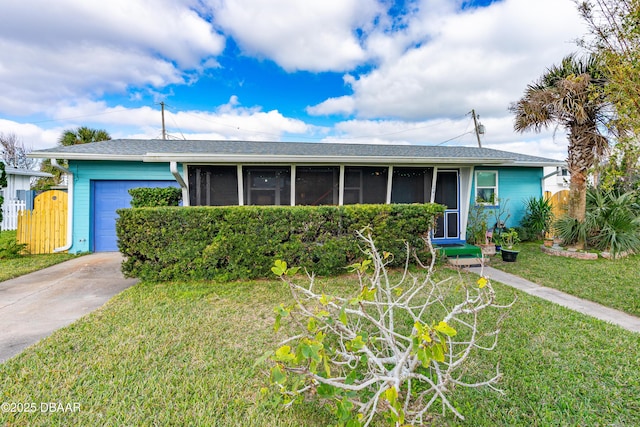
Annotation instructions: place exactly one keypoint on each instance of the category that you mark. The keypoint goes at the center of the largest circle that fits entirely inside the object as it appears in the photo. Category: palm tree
(570, 96)
(83, 135)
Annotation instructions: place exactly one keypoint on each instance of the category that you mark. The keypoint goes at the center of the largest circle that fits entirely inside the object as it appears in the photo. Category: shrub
(12, 249)
(612, 222)
(397, 346)
(538, 217)
(234, 242)
(144, 197)
(477, 225)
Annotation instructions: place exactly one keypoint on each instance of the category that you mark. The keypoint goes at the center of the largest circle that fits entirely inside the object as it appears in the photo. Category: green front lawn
(14, 267)
(611, 283)
(183, 354)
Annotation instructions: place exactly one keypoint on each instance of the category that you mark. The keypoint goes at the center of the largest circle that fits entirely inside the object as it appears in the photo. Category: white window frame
(493, 187)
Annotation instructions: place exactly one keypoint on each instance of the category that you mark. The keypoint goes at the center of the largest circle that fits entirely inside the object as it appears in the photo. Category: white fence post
(10, 209)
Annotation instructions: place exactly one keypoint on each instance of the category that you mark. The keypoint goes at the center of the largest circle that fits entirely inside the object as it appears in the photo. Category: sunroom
(223, 185)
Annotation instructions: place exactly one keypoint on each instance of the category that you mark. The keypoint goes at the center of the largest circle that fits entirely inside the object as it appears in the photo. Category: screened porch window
(267, 185)
(411, 185)
(365, 185)
(486, 187)
(213, 185)
(317, 185)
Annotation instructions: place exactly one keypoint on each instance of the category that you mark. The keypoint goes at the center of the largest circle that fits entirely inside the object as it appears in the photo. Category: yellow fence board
(45, 227)
(560, 203)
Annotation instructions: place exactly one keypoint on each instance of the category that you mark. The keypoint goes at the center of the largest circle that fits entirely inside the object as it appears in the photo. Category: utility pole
(479, 128)
(164, 131)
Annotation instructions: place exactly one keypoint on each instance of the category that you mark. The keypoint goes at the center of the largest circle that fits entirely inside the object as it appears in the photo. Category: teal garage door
(107, 197)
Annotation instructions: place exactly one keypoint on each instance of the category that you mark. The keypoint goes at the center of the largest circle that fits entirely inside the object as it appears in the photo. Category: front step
(467, 261)
(459, 250)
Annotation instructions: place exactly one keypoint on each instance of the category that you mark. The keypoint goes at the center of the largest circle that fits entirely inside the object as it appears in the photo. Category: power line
(321, 138)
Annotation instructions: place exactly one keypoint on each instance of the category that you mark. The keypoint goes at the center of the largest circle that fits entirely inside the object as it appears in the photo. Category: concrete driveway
(35, 305)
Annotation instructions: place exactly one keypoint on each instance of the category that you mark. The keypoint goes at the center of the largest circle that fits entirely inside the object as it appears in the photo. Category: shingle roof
(230, 151)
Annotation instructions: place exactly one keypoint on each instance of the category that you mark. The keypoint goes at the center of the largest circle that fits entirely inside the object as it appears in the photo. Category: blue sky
(368, 71)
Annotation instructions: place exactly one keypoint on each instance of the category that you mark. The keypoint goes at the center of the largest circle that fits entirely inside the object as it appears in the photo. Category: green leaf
(292, 271)
(327, 368)
(356, 344)
(438, 353)
(325, 391)
(315, 351)
(283, 354)
(424, 356)
(281, 311)
(368, 294)
(312, 325)
(351, 378)
(278, 375)
(279, 268)
(276, 325)
(343, 316)
(324, 300)
(445, 329)
(391, 394)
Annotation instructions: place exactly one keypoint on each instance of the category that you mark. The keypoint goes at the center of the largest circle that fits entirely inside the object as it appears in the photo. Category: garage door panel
(109, 196)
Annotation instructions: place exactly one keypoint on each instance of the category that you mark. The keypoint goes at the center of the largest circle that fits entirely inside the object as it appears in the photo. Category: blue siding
(87, 171)
(515, 185)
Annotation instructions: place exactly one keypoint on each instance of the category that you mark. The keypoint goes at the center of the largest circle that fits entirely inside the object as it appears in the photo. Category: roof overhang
(262, 158)
(85, 156)
(26, 172)
(242, 158)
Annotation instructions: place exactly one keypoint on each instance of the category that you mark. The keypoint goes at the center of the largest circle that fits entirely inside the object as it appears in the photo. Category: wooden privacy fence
(559, 203)
(45, 227)
(559, 206)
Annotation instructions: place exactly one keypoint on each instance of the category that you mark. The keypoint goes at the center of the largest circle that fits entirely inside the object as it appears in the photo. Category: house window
(317, 185)
(411, 185)
(213, 185)
(486, 187)
(365, 185)
(267, 185)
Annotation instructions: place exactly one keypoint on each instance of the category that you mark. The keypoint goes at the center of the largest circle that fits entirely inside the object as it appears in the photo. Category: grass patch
(10, 268)
(610, 283)
(183, 354)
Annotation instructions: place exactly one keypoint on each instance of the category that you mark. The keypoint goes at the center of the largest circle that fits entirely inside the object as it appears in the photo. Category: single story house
(289, 173)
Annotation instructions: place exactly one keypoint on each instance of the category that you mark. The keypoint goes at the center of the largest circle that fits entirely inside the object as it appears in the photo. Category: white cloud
(444, 65)
(315, 35)
(229, 121)
(423, 70)
(32, 136)
(71, 48)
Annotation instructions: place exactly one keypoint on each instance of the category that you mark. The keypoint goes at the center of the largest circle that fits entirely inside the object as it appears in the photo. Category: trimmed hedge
(147, 197)
(226, 243)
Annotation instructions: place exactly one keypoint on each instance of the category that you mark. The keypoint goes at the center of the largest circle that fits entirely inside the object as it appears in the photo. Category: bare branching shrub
(397, 347)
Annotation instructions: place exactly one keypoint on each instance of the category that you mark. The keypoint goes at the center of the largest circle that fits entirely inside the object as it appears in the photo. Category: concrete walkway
(624, 320)
(33, 306)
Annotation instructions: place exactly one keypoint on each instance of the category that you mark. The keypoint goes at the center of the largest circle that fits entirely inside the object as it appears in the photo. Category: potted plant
(548, 240)
(477, 231)
(509, 239)
(501, 215)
